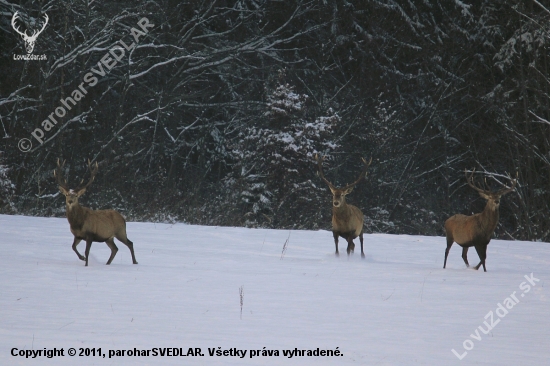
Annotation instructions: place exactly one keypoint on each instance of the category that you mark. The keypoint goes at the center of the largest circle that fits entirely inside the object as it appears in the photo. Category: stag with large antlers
(29, 40)
(476, 230)
(347, 220)
(92, 225)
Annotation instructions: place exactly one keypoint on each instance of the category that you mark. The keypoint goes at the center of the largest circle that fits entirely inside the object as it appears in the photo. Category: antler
(58, 174)
(320, 163)
(470, 180)
(36, 33)
(15, 28)
(93, 173)
(506, 189)
(502, 192)
(363, 174)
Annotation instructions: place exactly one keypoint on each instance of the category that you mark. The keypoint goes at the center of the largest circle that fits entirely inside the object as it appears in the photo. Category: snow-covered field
(396, 307)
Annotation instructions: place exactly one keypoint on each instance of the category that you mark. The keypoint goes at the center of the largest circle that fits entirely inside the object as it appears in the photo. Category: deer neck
(76, 215)
(489, 217)
(341, 211)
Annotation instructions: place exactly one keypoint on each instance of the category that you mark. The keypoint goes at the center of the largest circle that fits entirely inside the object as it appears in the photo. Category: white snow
(396, 307)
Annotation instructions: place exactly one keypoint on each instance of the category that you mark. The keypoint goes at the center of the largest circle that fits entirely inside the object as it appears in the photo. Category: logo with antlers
(29, 40)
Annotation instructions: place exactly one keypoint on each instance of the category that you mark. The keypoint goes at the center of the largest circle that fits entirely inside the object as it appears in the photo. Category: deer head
(339, 194)
(493, 198)
(72, 195)
(29, 40)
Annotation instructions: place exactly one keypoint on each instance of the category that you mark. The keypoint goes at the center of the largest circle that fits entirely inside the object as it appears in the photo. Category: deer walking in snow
(476, 230)
(92, 225)
(347, 220)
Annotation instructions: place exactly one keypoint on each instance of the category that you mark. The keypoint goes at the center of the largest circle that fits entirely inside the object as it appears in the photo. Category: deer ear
(332, 190)
(63, 191)
(81, 192)
(348, 191)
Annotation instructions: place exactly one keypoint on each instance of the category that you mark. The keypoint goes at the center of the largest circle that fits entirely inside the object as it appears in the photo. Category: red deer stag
(347, 220)
(90, 225)
(476, 230)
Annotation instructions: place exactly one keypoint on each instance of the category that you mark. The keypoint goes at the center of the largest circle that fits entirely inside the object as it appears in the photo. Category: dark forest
(212, 112)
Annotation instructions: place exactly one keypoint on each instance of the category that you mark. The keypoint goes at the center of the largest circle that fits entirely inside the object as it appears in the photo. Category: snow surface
(396, 307)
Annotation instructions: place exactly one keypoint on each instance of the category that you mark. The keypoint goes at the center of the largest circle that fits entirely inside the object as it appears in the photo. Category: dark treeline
(214, 117)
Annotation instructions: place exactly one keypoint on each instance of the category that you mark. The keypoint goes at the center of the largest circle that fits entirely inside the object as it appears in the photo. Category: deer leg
(351, 246)
(87, 252)
(484, 257)
(361, 240)
(111, 244)
(335, 235)
(482, 252)
(130, 246)
(450, 242)
(75, 243)
(465, 256)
